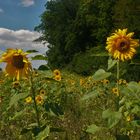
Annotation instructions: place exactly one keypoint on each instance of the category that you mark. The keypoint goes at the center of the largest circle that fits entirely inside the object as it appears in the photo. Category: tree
(71, 27)
(127, 15)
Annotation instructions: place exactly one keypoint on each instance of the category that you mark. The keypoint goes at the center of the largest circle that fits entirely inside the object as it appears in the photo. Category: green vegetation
(82, 93)
(74, 28)
(72, 108)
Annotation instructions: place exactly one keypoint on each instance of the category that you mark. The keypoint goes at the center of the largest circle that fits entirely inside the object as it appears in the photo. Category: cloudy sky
(17, 21)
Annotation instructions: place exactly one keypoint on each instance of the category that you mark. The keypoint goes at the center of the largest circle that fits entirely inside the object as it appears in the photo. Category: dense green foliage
(73, 28)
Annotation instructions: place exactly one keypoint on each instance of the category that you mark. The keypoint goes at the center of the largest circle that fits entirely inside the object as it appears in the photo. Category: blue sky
(17, 15)
(18, 19)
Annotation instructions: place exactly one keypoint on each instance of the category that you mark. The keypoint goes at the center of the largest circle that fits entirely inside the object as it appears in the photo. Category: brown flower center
(18, 62)
(122, 44)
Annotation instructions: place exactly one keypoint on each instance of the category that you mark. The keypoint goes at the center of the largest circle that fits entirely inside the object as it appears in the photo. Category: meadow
(69, 108)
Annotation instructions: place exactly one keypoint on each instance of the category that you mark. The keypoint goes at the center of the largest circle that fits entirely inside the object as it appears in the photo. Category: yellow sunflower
(39, 99)
(17, 63)
(28, 100)
(115, 91)
(82, 81)
(16, 84)
(105, 81)
(56, 72)
(121, 45)
(57, 77)
(42, 92)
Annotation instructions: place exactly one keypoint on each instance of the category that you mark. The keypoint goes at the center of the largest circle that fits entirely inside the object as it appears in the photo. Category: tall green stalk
(33, 96)
(117, 98)
(118, 93)
(118, 76)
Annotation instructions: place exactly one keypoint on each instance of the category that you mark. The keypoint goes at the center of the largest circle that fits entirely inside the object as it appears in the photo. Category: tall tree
(127, 15)
(71, 27)
(55, 23)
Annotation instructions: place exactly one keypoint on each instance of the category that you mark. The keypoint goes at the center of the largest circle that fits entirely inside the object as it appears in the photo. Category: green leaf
(32, 125)
(47, 74)
(135, 109)
(15, 98)
(43, 134)
(111, 63)
(39, 57)
(93, 129)
(132, 89)
(135, 123)
(17, 114)
(31, 51)
(92, 94)
(43, 67)
(122, 101)
(57, 109)
(101, 74)
(100, 54)
(113, 117)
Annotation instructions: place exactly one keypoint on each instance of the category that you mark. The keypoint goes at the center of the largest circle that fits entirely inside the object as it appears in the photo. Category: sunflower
(122, 81)
(121, 45)
(39, 99)
(17, 63)
(115, 91)
(82, 81)
(56, 72)
(129, 118)
(105, 81)
(42, 92)
(57, 77)
(28, 100)
(16, 84)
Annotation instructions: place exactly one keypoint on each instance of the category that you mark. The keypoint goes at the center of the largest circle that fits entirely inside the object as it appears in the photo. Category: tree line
(77, 29)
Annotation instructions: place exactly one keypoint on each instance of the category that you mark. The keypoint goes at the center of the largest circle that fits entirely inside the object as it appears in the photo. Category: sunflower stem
(117, 99)
(118, 76)
(35, 104)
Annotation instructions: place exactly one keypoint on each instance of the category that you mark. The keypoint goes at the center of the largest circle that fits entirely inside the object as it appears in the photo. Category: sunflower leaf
(39, 57)
(112, 117)
(43, 134)
(111, 63)
(102, 54)
(101, 74)
(31, 51)
(93, 129)
(15, 98)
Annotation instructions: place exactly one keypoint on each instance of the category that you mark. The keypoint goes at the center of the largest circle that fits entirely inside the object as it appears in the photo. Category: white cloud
(22, 39)
(1, 10)
(27, 3)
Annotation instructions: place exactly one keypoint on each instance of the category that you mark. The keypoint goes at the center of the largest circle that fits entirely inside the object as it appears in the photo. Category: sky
(18, 19)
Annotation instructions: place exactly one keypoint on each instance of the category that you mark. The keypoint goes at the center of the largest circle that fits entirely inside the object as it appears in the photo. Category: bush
(86, 63)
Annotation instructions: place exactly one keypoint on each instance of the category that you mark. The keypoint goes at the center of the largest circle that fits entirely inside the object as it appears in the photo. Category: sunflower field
(60, 105)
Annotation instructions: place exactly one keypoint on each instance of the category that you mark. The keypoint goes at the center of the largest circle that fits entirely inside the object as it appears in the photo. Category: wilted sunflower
(17, 63)
(121, 45)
